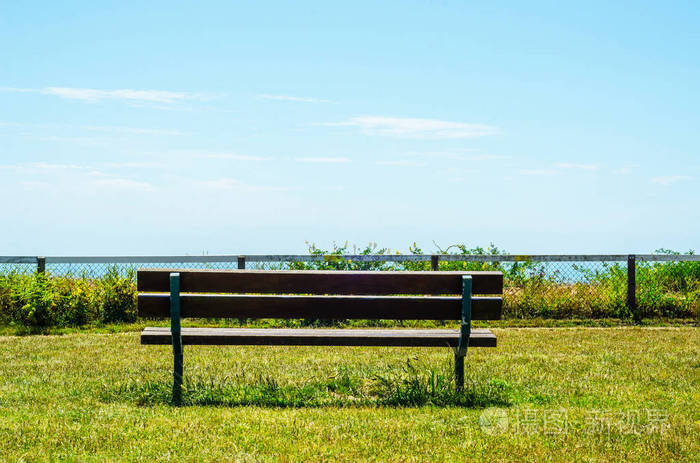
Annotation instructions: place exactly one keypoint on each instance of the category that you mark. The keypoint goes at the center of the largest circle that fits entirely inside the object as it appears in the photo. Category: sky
(189, 128)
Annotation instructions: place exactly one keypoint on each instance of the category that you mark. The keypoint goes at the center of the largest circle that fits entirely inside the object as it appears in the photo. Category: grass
(118, 327)
(87, 396)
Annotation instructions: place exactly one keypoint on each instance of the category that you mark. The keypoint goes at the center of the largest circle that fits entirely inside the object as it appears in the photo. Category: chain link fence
(549, 286)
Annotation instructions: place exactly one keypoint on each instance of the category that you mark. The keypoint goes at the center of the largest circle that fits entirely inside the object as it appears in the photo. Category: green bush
(118, 296)
(41, 300)
(666, 289)
(531, 289)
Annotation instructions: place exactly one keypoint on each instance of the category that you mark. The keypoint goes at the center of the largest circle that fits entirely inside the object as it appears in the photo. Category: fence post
(632, 287)
(41, 264)
(434, 260)
(241, 262)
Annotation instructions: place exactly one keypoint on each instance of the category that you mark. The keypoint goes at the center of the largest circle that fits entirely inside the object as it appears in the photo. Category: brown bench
(331, 295)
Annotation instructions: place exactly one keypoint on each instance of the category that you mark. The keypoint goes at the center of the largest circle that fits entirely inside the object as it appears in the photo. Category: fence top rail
(351, 257)
(18, 259)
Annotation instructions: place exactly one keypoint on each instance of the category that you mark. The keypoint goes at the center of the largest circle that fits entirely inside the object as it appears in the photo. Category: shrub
(531, 289)
(118, 296)
(41, 300)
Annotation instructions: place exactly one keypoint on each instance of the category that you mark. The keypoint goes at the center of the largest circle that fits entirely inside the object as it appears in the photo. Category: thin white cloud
(236, 157)
(234, 185)
(537, 172)
(54, 166)
(186, 108)
(469, 155)
(624, 170)
(137, 165)
(573, 166)
(62, 139)
(92, 171)
(323, 160)
(74, 175)
(401, 163)
(93, 95)
(230, 184)
(458, 170)
(32, 129)
(669, 179)
(130, 130)
(559, 168)
(404, 127)
(299, 99)
(42, 166)
(222, 184)
(202, 154)
(483, 157)
(123, 184)
(38, 167)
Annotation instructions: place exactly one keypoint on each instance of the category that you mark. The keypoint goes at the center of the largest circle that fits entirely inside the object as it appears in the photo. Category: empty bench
(327, 295)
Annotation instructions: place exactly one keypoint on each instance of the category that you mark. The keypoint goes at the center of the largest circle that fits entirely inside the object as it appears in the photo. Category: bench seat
(319, 337)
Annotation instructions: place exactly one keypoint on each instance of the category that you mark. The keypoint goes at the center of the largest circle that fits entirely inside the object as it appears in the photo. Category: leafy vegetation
(533, 290)
(556, 289)
(41, 300)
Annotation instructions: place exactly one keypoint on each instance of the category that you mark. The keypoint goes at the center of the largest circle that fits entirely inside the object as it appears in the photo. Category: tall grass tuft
(407, 386)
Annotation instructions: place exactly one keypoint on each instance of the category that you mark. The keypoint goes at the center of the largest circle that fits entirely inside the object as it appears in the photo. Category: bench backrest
(320, 294)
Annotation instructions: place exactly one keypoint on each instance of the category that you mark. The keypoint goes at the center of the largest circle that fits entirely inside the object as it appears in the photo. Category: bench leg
(176, 334)
(177, 371)
(465, 330)
(459, 369)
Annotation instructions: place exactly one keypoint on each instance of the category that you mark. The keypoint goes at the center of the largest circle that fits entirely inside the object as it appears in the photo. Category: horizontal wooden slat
(320, 307)
(318, 337)
(320, 282)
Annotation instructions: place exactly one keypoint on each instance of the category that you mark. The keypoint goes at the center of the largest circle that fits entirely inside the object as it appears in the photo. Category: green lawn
(545, 394)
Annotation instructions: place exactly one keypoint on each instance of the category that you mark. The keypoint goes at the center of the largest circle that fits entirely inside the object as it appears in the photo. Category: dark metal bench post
(176, 333)
(464, 331)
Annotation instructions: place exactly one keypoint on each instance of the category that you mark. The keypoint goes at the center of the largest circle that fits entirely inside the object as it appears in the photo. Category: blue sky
(252, 127)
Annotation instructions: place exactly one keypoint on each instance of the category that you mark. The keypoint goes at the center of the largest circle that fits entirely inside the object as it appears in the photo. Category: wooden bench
(331, 295)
